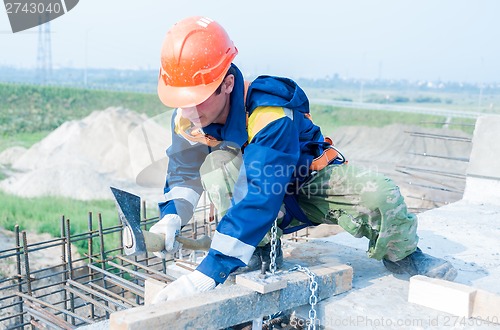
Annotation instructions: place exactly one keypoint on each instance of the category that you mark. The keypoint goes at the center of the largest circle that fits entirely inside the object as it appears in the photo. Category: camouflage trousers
(363, 202)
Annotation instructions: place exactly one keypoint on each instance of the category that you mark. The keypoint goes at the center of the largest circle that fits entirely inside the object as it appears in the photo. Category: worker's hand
(170, 226)
(185, 286)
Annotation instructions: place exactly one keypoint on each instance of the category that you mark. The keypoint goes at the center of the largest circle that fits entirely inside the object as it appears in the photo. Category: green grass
(40, 213)
(43, 214)
(22, 139)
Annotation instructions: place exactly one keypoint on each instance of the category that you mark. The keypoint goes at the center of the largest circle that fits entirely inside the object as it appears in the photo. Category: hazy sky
(423, 39)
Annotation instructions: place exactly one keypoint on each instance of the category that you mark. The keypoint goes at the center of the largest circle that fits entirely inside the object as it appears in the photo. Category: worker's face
(214, 109)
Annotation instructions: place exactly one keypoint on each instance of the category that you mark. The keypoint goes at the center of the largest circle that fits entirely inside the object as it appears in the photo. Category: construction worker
(255, 150)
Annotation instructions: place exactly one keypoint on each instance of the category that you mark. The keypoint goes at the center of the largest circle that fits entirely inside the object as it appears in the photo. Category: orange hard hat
(195, 57)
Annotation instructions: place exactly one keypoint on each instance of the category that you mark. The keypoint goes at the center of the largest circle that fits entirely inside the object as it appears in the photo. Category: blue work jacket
(278, 145)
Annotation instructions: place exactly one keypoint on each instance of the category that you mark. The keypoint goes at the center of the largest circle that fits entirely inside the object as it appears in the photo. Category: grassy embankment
(331, 118)
(43, 214)
(29, 113)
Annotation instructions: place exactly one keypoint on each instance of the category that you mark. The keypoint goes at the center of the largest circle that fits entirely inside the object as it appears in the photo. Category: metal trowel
(135, 240)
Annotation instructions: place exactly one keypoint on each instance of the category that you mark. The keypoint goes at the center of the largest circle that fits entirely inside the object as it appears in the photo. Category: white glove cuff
(201, 281)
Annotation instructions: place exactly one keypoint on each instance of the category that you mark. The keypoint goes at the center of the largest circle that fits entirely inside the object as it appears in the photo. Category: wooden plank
(232, 304)
(266, 284)
(455, 298)
(486, 306)
(445, 296)
(151, 288)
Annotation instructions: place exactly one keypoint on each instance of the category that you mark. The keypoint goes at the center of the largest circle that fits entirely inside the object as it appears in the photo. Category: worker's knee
(379, 190)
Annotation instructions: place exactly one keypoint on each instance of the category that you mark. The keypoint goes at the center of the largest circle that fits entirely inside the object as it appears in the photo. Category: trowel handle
(156, 242)
(200, 244)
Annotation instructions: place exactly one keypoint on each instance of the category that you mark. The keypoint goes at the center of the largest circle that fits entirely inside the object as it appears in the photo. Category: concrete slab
(464, 233)
(481, 190)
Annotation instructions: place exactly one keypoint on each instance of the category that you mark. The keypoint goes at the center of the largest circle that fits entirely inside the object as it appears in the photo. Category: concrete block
(483, 172)
(445, 296)
(484, 160)
(233, 304)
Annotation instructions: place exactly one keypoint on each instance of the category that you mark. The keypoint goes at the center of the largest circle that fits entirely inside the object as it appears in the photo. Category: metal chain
(273, 319)
(274, 243)
(313, 298)
(272, 265)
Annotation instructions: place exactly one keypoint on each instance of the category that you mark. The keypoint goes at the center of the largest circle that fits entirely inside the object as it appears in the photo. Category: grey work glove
(170, 226)
(185, 286)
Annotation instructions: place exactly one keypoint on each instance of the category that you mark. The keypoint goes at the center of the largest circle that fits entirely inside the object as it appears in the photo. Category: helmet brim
(190, 96)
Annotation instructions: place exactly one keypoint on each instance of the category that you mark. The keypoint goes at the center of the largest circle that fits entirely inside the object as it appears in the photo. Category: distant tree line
(146, 81)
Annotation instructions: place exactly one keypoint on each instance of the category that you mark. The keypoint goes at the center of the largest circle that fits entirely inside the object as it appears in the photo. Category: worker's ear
(228, 84)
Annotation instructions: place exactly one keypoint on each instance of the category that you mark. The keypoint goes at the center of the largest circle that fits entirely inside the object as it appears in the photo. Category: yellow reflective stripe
(262, 116)
(181, 123)
(185, 128)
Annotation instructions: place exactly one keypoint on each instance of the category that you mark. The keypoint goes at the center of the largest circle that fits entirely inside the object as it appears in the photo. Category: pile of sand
(81, 159)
